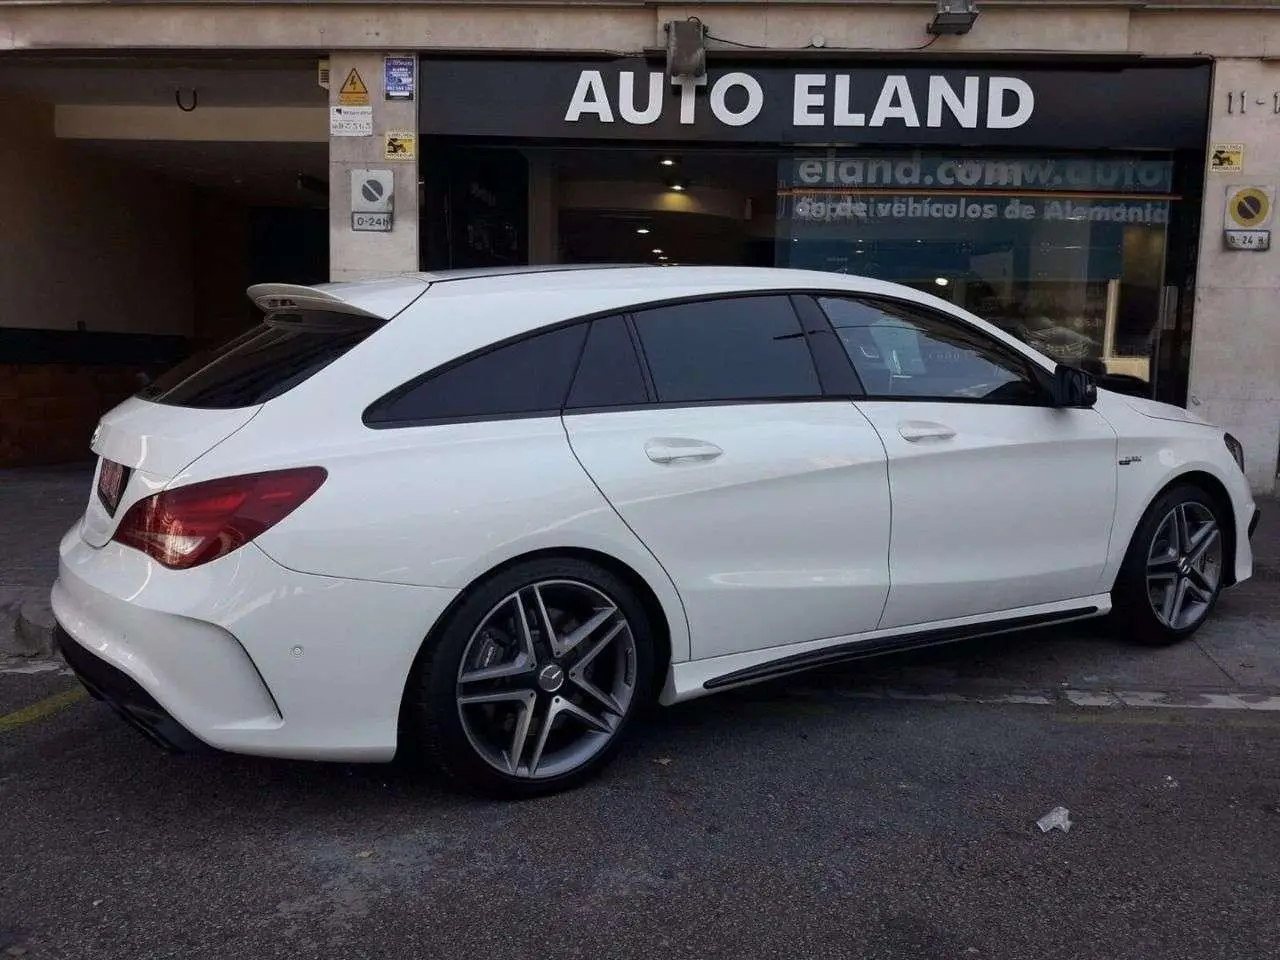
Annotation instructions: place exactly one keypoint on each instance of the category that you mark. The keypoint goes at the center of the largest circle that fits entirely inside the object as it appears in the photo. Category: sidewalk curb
(26, 629)
(34, 629)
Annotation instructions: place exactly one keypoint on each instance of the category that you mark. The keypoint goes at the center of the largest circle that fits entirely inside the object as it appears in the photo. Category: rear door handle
(916, 430)
(680, 450)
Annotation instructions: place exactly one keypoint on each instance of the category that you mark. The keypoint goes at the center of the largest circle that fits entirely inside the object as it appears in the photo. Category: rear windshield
(262, 363)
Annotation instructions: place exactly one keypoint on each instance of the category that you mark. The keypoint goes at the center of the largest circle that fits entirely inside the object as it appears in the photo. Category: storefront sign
(826, 209)
(633, 99)
(951, 171)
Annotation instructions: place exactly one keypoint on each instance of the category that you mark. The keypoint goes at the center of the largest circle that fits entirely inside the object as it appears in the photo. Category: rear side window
(740, 348)
(263, 363)
(527, 377)
(609, 374)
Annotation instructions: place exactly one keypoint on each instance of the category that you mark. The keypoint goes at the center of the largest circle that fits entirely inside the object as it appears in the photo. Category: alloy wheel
(546, 679)
(1184, 566)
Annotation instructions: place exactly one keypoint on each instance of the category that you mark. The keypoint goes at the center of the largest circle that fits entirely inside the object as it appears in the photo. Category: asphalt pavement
(885, 809)
(761, 824)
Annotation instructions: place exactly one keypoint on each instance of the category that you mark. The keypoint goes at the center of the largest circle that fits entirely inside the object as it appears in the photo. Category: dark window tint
(260, 364)
(744, 348)
(609, 374)
(905, 351)
(527, 376)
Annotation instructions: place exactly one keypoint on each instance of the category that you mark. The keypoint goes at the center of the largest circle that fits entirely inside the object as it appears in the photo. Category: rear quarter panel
(435, 506)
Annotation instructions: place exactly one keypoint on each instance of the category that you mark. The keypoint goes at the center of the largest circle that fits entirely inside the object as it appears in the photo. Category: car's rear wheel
(532, 684)
(1174, 570)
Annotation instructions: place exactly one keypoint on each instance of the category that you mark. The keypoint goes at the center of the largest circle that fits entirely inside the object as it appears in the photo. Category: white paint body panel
(783, 537)
(818, 525)
(215, 646)
(1013, 510)
(156, 442)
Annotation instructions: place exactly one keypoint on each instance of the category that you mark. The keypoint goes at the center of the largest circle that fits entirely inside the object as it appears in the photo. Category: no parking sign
(1247, 218)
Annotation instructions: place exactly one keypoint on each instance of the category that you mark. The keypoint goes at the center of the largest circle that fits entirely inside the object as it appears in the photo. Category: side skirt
(846, 650)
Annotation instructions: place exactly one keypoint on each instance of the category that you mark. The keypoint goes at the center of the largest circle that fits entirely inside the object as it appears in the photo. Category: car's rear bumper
(242, 654)
(127, 697)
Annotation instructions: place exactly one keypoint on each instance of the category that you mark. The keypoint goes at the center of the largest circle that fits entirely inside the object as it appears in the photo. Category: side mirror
(1073, 387)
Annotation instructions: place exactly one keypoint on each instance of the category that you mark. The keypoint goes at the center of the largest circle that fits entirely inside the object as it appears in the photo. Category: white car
(491, 514)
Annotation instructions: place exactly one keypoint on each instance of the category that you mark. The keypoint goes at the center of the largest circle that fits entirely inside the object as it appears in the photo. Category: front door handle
(680, 450)
(916, 430)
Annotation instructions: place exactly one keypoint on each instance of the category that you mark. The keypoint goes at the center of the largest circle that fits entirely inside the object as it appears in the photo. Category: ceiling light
(664, 258)
(642, 230)
(678, 185)
(657, 249)
(668, 161)
(941, 281)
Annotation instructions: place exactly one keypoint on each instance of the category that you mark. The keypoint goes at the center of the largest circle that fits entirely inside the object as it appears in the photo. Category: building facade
(1097, 178)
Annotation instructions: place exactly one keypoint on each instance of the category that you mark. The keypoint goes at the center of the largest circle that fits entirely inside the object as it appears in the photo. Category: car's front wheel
(534, 681)
(1173, 572)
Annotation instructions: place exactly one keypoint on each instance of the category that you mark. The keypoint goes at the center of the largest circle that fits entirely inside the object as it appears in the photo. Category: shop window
(905, 352)
(1067, 253)
(742, 348)
(525, 378)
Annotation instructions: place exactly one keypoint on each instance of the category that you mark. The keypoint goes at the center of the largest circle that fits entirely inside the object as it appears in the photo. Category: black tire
(435, 717)
(1134, 615)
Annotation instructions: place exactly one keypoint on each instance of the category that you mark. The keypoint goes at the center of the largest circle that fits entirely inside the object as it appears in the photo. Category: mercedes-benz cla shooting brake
(486, 516)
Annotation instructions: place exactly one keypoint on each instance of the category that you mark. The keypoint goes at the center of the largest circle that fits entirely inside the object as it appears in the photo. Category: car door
(706, 427)
(1000, 500)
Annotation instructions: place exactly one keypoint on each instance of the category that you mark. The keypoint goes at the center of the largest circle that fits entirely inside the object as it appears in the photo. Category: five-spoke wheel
(1173, 573)
(1184, 565)
(532, 682)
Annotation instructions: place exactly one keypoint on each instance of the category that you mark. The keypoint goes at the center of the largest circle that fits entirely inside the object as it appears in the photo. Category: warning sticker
(1226, 158)
(1249, 208)
(399, 145)
(354, 92)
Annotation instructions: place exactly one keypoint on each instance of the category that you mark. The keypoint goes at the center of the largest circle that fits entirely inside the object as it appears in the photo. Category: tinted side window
(262, 363)
(609, 374)
(900, 350)
(743, 348)
(528, 376)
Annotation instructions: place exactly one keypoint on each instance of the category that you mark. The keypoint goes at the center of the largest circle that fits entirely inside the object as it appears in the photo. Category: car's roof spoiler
(374, 300)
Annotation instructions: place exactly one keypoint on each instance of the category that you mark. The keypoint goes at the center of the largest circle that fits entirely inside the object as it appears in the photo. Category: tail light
(191, 525)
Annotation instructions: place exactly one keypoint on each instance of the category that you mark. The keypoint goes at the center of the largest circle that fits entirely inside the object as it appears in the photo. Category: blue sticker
(400, 78)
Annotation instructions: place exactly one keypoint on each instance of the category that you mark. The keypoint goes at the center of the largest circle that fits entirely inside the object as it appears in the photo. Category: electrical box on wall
(372, 200)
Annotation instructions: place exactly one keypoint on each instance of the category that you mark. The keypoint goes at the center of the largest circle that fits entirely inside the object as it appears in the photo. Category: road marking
(41, 709)
(1106, 699)
(24, 666)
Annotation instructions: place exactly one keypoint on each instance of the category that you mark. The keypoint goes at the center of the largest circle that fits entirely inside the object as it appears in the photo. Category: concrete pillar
(544, 212)
(1235, 349)
(356, 254)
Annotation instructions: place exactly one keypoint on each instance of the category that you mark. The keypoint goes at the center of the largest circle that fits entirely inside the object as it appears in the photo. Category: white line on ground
(1224, 700)
(34, 666)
